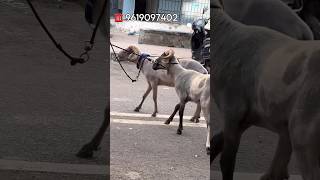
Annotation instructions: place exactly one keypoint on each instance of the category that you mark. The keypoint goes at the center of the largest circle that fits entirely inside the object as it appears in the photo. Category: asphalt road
(50, 109)
(143, 147)
(155, 151)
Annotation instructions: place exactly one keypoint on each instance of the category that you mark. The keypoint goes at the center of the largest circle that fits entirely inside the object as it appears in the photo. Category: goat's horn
(133, 49)
(130, 48)
(169, 53)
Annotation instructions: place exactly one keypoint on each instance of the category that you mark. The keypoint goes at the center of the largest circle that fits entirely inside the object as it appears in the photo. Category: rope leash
(140, 55)
(87, 48)
(131, 51)
(143, 56)
(141, 66)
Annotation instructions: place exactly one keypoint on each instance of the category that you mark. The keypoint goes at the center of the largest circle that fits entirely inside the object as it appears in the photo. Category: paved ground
(154, 150)
(50, 109)
(143, 147)
(257, 145)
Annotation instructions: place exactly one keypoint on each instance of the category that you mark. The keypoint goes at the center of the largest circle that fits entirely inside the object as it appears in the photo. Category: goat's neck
(224, 28)
(137, 56)
(175, 68)
(232, 36)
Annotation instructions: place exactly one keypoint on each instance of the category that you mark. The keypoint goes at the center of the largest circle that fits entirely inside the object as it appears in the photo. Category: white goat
(190, 86)
(156, 78)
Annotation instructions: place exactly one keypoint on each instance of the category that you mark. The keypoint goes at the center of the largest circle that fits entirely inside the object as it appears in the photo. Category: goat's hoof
(137, 109)
(179, 131)
(87, 151)
(208, 150)
(275, 177)
(154, 114)
(195, 120)
(167, 121)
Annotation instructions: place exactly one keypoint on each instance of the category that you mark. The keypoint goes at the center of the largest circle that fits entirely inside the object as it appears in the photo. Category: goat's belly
(194, 97)
(166, 83)
(275, 122)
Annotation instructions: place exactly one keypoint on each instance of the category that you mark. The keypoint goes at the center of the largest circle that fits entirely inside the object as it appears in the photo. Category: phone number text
(152, 17)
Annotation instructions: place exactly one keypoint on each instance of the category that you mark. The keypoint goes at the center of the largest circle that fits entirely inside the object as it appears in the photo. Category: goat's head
(130, 54)
(164, 61)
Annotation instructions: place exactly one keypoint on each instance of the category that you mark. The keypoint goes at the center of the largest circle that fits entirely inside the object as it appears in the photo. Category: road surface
(50, 109)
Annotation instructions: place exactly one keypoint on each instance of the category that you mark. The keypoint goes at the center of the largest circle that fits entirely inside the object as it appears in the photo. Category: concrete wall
(165, 38)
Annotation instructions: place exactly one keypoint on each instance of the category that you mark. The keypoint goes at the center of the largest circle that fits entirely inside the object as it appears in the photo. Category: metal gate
(187, 10)
(170, 7)
(192, 10)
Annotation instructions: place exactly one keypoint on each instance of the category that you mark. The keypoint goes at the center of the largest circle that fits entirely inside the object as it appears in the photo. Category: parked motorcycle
(200, 40)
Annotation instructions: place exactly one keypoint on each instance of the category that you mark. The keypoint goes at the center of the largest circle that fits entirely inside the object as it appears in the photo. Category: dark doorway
(140, 6)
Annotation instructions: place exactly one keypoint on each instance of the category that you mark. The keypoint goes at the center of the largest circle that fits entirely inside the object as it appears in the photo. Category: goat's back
(264, 13)
(163, 78)
(193, 65)
(191, 84)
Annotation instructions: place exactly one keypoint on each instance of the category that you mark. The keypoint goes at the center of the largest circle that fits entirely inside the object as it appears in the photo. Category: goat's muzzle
(155, 66)
(158, 65)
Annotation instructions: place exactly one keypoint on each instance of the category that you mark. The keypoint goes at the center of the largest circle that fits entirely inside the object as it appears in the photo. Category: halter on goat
(142, 57)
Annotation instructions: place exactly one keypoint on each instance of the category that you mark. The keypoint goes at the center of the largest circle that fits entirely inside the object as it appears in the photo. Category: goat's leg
(304, 137)
(87, 150)
(279, 167)
(155, 94)
(229, 152)
(216, 145)
(206, 113)
(308, 161)
(196, 115)
(233, 130)
(208, 140)
(181, 111)
(173, 114)
(137, 109)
